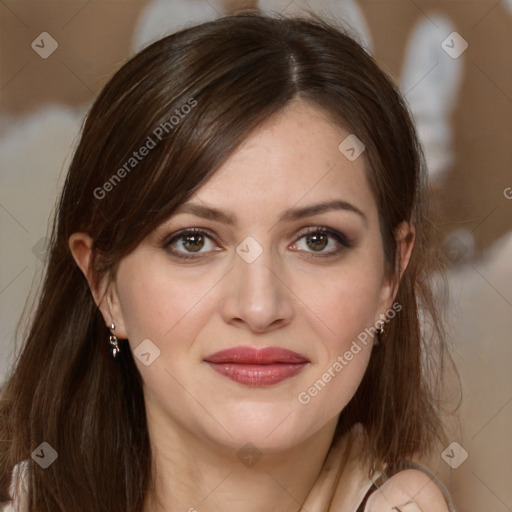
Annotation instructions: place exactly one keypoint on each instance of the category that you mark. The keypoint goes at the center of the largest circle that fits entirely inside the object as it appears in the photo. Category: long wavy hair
(233, 73)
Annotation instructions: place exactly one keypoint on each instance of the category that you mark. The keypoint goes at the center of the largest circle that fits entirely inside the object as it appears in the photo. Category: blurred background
(453, 62)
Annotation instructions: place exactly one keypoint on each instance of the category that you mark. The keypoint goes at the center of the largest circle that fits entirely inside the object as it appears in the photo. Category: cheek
(347, 304)
(157, 303)
(345, 299)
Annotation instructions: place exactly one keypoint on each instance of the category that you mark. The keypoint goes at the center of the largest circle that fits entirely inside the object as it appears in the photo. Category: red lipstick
(257, 367)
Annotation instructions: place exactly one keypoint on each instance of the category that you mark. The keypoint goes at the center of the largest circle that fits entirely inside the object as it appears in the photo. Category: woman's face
(282, 272)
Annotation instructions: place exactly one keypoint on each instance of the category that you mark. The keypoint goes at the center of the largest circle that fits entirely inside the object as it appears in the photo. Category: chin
(269, 426)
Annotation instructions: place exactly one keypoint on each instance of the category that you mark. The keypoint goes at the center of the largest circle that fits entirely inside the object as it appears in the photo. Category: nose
(256, 296)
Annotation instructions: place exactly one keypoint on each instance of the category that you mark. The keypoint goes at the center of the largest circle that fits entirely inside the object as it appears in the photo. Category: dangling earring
(378, 337)
(114, 344)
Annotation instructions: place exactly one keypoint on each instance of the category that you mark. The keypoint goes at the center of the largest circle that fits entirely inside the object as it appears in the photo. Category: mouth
(257, 367)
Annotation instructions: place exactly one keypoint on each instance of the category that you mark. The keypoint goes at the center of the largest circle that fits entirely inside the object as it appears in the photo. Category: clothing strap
(393, 469)
(361, 507)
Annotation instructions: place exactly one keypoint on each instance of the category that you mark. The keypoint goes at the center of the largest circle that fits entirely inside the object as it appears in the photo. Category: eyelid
(325, 230)
(186, 231)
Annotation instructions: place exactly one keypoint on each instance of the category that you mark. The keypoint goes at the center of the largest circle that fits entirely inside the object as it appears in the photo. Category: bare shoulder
(410, 490)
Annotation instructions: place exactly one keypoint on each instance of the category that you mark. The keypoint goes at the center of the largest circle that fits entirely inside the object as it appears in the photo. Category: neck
(192, 474)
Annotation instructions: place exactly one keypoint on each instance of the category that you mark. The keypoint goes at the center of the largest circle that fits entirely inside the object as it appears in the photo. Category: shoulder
(410, 490)
(18, 489)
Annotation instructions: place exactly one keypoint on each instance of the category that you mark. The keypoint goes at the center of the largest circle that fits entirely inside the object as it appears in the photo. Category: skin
(289, 297)
(410, 491)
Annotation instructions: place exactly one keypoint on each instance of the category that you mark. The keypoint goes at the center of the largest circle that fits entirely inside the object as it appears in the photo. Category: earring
(114, 344)
(378, 337)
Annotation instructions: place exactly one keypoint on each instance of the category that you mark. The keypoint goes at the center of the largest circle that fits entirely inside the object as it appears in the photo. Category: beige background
(42, 101)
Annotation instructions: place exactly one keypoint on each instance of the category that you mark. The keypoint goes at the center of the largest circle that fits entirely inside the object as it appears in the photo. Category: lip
(257, 367)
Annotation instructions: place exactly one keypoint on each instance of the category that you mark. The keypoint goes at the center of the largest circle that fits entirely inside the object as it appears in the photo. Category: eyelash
(339, 237)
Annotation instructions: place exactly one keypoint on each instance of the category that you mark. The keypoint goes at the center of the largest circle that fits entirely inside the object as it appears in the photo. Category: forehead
(292, 159)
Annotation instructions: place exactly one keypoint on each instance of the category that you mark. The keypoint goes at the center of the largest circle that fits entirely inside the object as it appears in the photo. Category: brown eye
(323, 241)
(317, 241)
(190, 243)
(193, 242)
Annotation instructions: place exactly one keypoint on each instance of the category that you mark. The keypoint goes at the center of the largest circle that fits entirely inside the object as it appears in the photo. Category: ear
(405, 237)
(103, 291)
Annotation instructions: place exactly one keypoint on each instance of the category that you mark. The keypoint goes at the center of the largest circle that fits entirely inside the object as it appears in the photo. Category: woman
(231, 313)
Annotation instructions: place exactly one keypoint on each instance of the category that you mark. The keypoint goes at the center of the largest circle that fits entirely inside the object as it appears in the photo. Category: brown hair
(233, 73)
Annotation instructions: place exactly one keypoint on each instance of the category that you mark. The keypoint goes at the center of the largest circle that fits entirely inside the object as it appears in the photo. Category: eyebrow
(292, 214)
